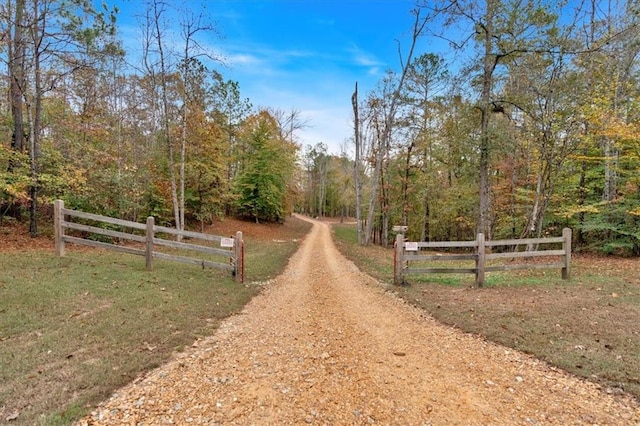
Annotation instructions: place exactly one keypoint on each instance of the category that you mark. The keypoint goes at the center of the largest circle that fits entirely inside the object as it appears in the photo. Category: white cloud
(317, 83)
(374, 71)
(241, 59)
(330, 125)
(360, 57)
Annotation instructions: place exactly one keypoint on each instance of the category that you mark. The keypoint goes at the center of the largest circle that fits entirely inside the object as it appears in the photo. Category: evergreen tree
(268, 164)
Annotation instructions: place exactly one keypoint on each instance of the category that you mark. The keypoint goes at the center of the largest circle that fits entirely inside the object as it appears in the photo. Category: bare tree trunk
(547, 169)
(384, 208)
(582, 196)
(183, 159)
(384, 199)
(17, 79)
(187, 28)
(384, 135)
(535, 210)
(379, 153)
(38, 31)
(157, 14)
(425, 234)
(490, 62)
(322, 191)
(405, 185)
(610, 166)
(356, 165)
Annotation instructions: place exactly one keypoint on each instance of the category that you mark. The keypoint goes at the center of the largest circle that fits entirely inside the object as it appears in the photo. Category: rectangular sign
(408, 246)
(226, 242)
(400, 228)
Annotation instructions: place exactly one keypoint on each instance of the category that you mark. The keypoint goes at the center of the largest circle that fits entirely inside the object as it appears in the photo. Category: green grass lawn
(587, 325)
(74, 329)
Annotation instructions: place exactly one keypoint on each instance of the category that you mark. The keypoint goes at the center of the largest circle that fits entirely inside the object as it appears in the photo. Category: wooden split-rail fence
(229, 250)
(408, 254)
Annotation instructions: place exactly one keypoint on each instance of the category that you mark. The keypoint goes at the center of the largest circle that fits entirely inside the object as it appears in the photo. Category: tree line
(529, 125)
(166, 136)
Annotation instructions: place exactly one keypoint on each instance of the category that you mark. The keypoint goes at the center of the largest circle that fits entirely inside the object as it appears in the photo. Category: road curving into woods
(326, 344)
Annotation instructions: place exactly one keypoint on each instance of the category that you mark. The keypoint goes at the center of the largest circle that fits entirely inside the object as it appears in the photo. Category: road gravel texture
(326, 344)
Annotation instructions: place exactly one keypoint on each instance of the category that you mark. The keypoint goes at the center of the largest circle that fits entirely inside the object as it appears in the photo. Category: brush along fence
(230, 251)
(407, 254)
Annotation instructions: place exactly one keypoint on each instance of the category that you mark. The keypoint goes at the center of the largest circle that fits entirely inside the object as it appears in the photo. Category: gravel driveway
(325, 344)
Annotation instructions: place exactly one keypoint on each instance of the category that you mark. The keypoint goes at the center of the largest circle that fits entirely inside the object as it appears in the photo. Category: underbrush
(588, 325)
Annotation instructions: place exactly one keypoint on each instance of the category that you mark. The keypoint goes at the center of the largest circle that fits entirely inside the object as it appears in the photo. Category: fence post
(480, 260)
(149, 249)
(398, 246)
(566, 246)
(58, 230)
(239, 253)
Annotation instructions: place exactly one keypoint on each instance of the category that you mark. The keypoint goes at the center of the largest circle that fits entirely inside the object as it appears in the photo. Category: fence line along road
(230, 251)
(406, 252)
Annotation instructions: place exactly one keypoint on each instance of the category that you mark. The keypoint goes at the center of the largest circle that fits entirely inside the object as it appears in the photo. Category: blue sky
(300, 54)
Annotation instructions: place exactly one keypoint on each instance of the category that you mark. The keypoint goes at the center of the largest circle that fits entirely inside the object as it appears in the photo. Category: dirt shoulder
(324, 344)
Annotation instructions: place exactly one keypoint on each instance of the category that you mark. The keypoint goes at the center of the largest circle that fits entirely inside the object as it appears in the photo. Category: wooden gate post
(480, 261)
(58, 230)
(566, 246)
(398, 246)
(239, 253)
(149, 249)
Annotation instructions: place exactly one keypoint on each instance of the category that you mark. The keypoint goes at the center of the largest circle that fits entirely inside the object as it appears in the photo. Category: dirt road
(324, 344)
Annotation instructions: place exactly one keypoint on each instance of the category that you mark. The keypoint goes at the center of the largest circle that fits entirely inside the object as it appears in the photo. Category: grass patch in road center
(588, 326)
(74, 329)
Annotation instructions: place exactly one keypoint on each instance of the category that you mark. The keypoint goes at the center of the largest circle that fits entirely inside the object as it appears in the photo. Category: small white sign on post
(226, 242)
(411, 246)
(400, 228)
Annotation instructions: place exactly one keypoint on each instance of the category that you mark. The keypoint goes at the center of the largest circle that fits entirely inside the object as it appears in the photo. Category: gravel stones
(325, 344)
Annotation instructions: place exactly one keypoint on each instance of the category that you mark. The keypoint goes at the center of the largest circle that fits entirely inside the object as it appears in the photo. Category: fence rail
(406, 252)
(231, 249)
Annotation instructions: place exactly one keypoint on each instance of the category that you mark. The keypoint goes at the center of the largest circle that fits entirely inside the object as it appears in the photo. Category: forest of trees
(531, 125)
(536, 128)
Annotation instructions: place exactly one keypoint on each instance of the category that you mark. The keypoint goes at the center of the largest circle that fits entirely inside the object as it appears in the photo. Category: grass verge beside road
(587, 326)
(74, 329)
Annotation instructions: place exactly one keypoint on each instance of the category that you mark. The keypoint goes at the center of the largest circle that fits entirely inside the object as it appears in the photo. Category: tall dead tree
(384, 129)
(357, 181)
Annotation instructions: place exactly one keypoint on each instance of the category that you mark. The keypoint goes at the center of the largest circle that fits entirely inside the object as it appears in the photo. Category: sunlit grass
(74, 329)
